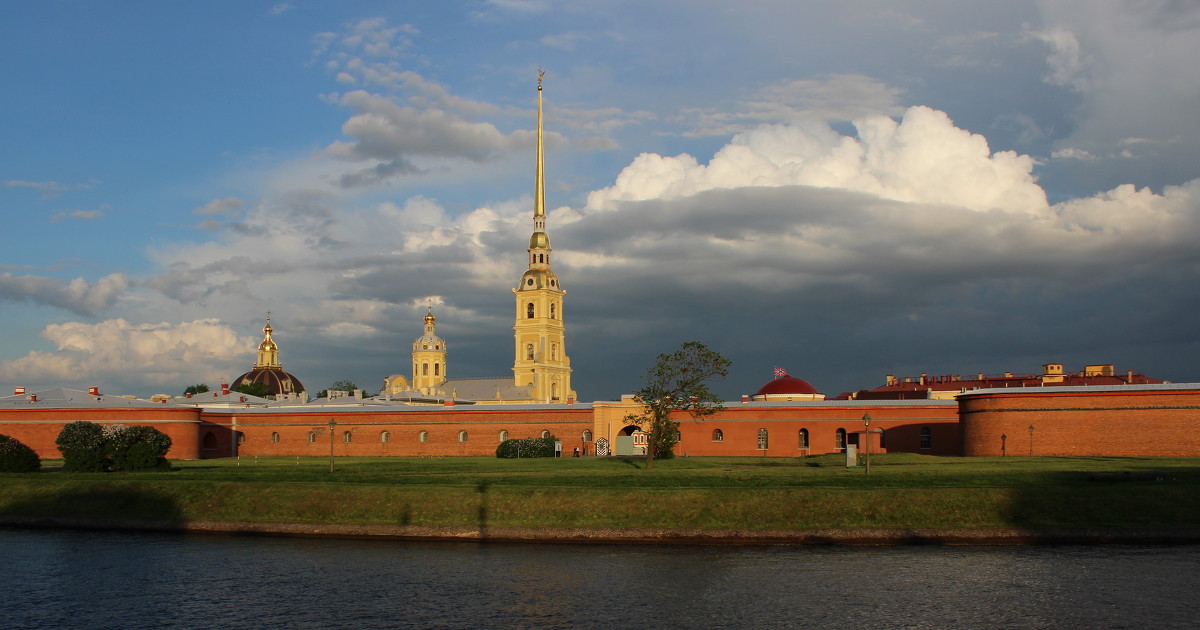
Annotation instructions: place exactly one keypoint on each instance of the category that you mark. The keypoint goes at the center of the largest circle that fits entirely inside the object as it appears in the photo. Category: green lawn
(903, 491)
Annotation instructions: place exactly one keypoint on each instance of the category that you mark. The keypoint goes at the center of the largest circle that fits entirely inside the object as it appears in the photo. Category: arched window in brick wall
(718, 435)
(503, 435)
(587, 435)
(312, 437)
(462, 436)
(385, 437)
(347, 437)
(762, 439)
(274, 437)
(423, 437)
(839, 439)
(926, 438)
(803, 438)
(545, 434)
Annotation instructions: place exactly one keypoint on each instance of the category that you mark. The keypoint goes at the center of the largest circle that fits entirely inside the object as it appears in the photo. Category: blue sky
(843, 189)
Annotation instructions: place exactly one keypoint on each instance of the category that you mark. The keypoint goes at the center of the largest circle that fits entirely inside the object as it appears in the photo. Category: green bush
(88, 447)
(17, 457)
(137, 448)
(82, 445)
(526, 447)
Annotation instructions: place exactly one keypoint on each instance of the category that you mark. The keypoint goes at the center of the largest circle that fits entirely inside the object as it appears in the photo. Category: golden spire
(539, 185)
(268, 351)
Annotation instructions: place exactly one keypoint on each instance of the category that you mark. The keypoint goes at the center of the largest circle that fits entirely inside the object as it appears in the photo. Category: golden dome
(539, 240)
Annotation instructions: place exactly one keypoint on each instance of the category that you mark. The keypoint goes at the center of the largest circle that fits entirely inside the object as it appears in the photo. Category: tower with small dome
(268, 369)
(429, 357)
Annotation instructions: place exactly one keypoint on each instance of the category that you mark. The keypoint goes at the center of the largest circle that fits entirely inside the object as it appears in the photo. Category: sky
(844, 189)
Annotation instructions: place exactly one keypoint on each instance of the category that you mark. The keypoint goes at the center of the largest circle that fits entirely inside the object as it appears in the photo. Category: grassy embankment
(903, 491)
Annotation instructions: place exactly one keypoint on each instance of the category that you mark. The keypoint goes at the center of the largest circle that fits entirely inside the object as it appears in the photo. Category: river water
(69, 579)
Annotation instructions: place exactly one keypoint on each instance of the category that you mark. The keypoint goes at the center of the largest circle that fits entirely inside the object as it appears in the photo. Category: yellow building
(540, 355)
(541, 367)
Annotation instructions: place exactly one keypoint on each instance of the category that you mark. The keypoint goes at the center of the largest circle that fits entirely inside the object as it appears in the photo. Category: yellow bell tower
(541, 357)
(429, 357)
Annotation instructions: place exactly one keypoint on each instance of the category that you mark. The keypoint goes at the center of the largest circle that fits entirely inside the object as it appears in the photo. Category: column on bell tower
(540, 357)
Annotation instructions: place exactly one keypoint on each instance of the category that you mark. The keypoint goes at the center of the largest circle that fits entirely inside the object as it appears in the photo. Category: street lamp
(1031, 440)
(332, 426)
(867, 438)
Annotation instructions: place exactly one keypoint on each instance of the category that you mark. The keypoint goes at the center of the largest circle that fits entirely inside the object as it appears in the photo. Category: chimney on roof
(19, 390)
(33, 398)
(93, 391)
(224, 389)
(448, 403)
(890, 379)
(745, 398)
(241, 399)
(188, 395)
(570, 400)
(924, 377)
(1129, 376)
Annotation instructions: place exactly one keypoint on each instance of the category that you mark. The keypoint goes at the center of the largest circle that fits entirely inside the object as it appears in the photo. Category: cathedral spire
(539, 184)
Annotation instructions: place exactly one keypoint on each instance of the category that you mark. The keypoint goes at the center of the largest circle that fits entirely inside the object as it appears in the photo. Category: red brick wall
(38, 428)
(740, 427)
(1101, 423)
(403, 427)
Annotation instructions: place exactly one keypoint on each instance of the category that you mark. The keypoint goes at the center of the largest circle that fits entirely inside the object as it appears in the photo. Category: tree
(198, 388)
(16, 456)
(677, 383)
(82, 445)
(341, 386)
(137, 448)
(253, 388)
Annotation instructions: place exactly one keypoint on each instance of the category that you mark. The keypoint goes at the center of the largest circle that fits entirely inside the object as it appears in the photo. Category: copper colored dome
(277, 380)
(786, 385)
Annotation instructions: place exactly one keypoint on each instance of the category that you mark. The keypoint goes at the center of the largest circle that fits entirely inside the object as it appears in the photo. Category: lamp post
(1031, 440)
(332, 426)
(1003, 445)
(867, 439)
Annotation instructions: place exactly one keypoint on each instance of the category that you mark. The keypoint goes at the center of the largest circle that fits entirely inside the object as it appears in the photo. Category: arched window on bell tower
(529, 311)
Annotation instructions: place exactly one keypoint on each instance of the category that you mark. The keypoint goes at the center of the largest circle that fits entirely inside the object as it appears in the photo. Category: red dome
(785, 385)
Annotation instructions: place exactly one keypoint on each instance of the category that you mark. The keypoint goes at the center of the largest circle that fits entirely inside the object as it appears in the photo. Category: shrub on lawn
(526, 447)
(82, 445)
(17, 457)
(137, 448)
(88, 447)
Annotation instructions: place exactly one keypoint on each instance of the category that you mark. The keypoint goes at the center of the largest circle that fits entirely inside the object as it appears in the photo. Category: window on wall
(462, 436)
(803, 438)
(529, 311)
(312, 437)
(551, 311)
(718, 435)
(882, 440)
(274, 438)
(347, 437)
(385, 437)
(241, 437)
(587, 435)
(545, 434)
(926, 438)
(503, 435)
(437, 369)
(424, 369)
(762, 439)
(839, 439)
(423, 437)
